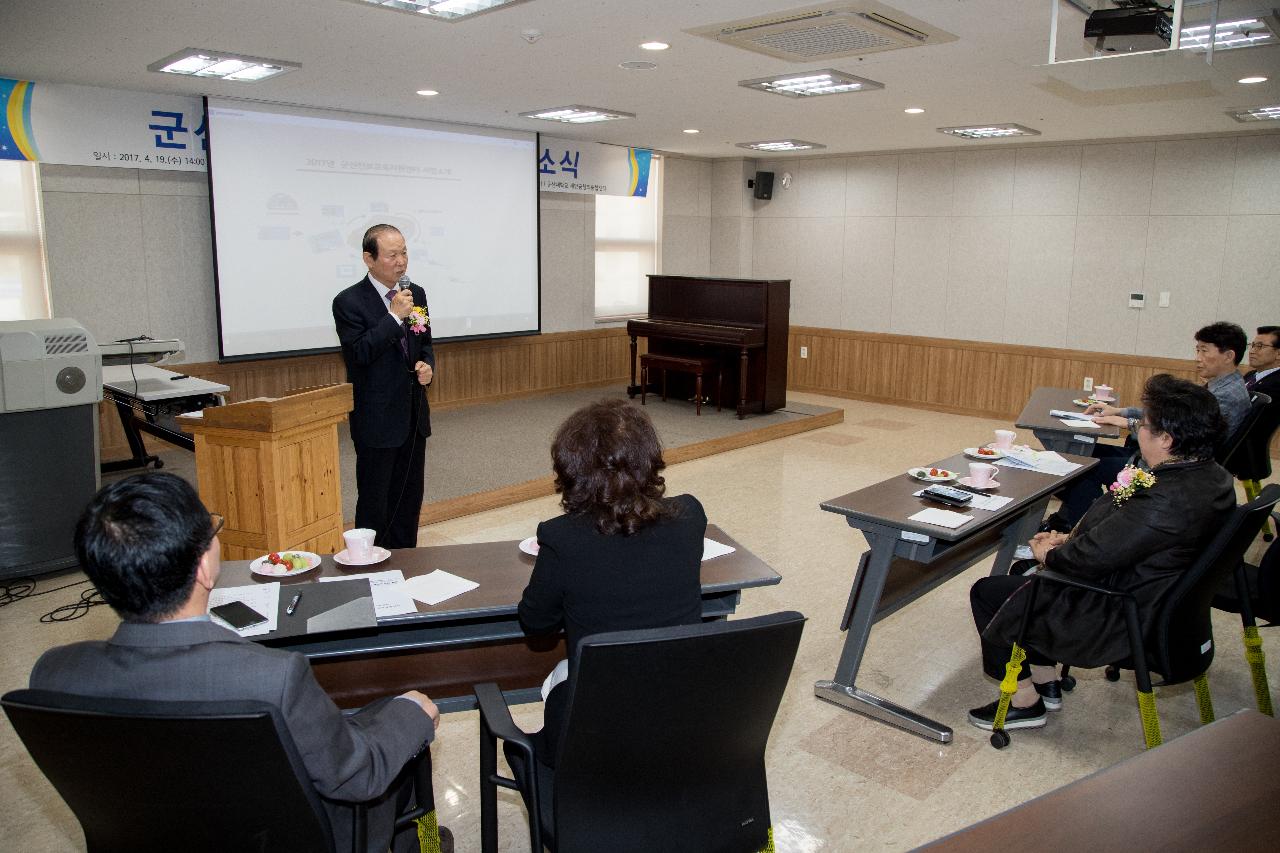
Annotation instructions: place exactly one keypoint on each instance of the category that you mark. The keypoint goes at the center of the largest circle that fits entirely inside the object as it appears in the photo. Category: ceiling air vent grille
(826, 32)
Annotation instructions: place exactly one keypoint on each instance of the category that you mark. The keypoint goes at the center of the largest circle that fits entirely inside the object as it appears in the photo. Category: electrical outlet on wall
(804, 352)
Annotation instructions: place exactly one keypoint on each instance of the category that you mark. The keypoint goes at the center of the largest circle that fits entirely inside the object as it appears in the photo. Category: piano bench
(695, 366)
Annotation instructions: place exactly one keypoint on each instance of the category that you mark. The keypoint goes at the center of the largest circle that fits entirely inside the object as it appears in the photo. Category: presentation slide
(294, 190)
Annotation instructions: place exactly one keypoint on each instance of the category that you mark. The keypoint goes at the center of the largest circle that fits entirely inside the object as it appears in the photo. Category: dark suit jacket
(589, 582)
(353, 758)
(1258, 458)
(1141, 546)
(377, 368)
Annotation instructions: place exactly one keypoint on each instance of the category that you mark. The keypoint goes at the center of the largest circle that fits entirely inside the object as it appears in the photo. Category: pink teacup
(1004, 439)
(981, 474)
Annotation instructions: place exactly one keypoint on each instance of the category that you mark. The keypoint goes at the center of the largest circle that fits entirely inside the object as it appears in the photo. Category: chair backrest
(1234, 450)
(1183, 635)
(664, 737)
(164, 776)
(1252, 459)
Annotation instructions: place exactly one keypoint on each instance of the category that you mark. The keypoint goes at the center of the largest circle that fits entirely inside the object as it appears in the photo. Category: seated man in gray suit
(151, 548)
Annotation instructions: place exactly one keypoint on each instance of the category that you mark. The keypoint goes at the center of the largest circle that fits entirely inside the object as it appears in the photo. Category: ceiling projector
(1130, 29)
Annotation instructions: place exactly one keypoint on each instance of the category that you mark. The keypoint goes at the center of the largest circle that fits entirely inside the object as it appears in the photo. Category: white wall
(1027, 245)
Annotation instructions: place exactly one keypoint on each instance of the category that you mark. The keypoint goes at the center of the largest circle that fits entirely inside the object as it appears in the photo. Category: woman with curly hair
(622, 556)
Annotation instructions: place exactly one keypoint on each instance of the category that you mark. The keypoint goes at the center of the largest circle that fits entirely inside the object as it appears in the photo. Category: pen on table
(180, 376)
(293, 605)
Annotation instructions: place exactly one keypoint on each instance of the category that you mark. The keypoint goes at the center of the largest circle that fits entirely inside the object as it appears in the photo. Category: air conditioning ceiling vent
(824, 32)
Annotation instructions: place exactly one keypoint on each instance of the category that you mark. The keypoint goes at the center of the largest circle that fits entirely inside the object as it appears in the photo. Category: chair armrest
(1045, 574)
(496, 714)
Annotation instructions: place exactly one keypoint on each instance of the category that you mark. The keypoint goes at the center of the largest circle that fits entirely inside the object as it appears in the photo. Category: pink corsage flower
(1129, 481)
(418, 320)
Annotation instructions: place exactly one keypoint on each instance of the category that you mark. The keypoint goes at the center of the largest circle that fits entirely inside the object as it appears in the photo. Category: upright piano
(743, 323)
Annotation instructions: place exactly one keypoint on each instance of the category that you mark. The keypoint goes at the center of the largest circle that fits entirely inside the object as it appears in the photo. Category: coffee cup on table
(359, 543)
(1102, 392)
(1004, 438)
(981, 474)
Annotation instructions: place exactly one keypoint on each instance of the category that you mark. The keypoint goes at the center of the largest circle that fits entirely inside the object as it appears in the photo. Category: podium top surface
(298, 408)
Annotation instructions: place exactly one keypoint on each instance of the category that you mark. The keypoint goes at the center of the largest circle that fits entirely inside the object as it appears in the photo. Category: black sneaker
(1014, 718)
(1050, 694)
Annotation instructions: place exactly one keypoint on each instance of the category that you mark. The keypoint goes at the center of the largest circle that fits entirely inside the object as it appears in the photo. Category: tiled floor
(837, 781)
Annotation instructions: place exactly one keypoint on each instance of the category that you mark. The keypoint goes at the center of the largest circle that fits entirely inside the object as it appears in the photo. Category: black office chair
(201, 777)
(1254, 593)
(1181, 634)
(663, 742)
(1250, 460)
(1231, 453)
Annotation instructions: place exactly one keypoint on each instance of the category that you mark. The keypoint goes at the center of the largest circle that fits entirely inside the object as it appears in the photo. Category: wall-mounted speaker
(764, 185)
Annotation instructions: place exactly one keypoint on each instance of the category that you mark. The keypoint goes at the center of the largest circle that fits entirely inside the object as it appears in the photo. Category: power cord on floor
(20, 589)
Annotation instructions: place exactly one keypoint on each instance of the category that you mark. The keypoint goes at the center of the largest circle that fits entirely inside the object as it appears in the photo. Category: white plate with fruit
(284, 563)
(986, 454)
(931, 475)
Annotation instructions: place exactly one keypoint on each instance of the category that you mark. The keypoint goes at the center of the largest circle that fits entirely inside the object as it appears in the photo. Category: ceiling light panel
(781, 145)
(1271, 113)
(444, 10)
(808, 84)
(219, 65)
(989, 131)
(1247, 32)
(577, 114)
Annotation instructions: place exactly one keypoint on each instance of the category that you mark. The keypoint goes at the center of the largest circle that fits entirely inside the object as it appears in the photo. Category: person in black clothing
(1139, 541)
(622, 556)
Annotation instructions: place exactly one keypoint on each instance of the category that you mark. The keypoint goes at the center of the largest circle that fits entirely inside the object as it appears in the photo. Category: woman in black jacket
(1138, 536)
(622, 556)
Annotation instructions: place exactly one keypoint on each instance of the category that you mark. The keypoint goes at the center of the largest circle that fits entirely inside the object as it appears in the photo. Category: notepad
(390, 598)
(941, 517)
(435, 587)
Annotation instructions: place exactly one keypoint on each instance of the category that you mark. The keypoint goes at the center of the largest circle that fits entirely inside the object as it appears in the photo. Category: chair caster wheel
(1267, 537)
(159, 464)
(1000, 739)
(1067, 683)
(1113, 674)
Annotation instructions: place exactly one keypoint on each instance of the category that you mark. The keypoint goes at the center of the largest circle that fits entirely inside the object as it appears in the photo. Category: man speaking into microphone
(387, 349)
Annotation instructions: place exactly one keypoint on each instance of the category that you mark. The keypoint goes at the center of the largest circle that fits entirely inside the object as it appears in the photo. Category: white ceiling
(362, 58)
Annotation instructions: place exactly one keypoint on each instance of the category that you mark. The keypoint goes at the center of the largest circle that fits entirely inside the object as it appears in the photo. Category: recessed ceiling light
(198, 62)
(655, 45)
(914, 110)
(1271, 113)
(428, 93)
(989, 131)
(638, 65)
(781, 145)
(691, 130)
(445, 10)
(807, 84)
(1249, 80)
(577, 114)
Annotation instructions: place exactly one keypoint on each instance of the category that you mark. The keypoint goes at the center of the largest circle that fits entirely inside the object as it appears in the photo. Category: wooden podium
(270, 467)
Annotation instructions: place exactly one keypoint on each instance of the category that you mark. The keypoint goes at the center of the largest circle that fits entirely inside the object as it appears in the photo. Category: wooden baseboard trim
(906, 404)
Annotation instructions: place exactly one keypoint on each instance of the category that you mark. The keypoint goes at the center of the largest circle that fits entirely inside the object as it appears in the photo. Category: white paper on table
(1078, 424)
(262, 597)
(1070, 416)
(390, 598)
(941, 517)
(435, 587)
(712, 549)
(1044, 461)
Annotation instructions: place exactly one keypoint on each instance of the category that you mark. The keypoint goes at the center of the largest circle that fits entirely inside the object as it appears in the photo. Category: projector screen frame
(223, 358)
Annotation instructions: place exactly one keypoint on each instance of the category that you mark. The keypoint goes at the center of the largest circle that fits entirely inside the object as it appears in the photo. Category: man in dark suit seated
(151, 548)
(385, 334)
(1264, 359)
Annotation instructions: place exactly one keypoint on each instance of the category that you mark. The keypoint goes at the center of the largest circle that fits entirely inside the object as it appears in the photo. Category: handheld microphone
(403, 283)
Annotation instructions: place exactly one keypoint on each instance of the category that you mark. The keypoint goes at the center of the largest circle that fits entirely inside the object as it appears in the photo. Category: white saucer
(972, 453)
(377, 555)
(968, 481)
(922, 474)
(260, 566)
(1105, 399)
(530, 546)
